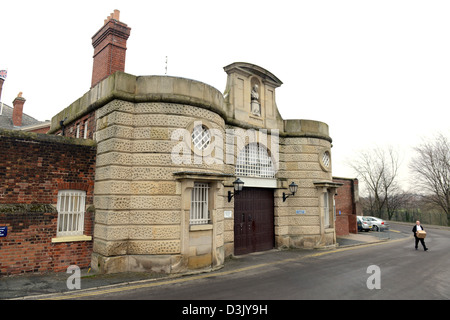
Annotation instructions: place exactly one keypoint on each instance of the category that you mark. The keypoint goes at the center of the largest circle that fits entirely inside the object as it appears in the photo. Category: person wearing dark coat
(416, 228)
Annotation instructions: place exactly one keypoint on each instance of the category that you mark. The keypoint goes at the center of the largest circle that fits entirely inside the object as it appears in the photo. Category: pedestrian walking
(415, 229)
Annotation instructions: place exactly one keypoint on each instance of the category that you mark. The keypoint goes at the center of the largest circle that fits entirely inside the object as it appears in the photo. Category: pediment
(252, 69)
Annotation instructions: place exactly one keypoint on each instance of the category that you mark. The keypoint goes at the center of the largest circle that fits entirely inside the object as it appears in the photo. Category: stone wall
(142, 217)
(300, 220)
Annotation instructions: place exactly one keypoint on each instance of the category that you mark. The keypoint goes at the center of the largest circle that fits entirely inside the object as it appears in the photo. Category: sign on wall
(3, 231)
(227, 214)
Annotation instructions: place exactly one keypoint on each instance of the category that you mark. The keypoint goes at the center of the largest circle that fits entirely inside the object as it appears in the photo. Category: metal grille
(199, 204)
(254, 161)
(326, 159)
(201, 137)
(71, 204)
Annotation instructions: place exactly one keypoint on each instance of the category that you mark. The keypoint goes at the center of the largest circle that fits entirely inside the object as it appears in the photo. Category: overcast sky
(377, 72)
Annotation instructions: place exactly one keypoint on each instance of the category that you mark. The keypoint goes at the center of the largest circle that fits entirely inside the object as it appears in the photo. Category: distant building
(347, 206)
(14, 118)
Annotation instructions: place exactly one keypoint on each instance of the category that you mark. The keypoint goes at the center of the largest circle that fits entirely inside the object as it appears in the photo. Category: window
(199, 204)
(78, 130)
(254, 161)
(326, 159)
(326, 210)
(201, 137)
(85, 129)
(71, 206)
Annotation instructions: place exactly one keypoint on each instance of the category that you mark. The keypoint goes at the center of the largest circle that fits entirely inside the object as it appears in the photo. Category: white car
(378, 224)
(364, 223)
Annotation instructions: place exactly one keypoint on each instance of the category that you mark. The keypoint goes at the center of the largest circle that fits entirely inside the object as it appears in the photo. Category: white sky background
(377, 72)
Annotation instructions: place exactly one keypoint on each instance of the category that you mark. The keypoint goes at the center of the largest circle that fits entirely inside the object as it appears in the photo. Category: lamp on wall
(238, 184)
(293, 189)
(61, 123)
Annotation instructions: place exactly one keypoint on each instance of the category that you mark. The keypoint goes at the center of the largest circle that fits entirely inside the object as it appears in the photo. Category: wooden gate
(253, 220)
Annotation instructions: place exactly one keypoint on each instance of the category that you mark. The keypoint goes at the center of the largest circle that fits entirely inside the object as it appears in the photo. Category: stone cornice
(140, 89)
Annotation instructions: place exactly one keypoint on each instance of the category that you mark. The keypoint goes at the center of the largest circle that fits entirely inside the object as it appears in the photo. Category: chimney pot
(116, 14)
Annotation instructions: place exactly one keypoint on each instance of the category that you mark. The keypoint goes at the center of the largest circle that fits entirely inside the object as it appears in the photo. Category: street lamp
(293, 189)
(238, 184)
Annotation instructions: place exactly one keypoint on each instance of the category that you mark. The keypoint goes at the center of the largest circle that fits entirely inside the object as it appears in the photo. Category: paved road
(335, 274)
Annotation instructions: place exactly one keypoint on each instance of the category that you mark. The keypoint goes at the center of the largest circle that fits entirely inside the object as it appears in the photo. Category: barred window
(71, 207)
(199, 204)
(201, 137)
(326, 159)
(254, 161)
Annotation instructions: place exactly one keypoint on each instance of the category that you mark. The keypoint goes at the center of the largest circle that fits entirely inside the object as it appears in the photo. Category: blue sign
(3, 231)
(300, 211)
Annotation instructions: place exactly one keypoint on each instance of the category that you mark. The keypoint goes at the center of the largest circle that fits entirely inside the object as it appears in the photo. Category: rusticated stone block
(153, 246)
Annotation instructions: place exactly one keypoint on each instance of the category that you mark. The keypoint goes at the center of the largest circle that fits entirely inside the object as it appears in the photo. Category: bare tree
(431, 171)
(397, 200)
(378, 169)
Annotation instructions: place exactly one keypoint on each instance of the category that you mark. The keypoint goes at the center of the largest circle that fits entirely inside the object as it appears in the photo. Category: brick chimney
(18, 110)
(110, 45)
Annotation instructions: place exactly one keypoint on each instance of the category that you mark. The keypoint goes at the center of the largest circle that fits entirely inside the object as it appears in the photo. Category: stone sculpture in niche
(255, 105)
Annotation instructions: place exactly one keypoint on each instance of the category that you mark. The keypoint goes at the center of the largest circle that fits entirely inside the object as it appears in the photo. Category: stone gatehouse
(168, 152)
(187, 175)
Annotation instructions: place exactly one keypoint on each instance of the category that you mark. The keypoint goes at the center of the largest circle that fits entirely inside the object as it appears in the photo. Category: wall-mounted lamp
(61, 123)
(293, 189)
(238, 184)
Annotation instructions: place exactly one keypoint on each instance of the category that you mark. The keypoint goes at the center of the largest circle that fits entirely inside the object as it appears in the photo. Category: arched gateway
(254, 206)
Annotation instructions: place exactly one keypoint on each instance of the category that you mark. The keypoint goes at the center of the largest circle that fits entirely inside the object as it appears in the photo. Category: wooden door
(253, 220)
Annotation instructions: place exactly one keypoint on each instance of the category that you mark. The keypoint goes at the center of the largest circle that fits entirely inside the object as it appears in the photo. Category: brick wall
(33, 167)
(28, 246)
(347, 206)
(87, 120)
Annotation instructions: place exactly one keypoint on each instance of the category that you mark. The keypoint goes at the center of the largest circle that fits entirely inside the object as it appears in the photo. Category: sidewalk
(21, 286)
(361, 238)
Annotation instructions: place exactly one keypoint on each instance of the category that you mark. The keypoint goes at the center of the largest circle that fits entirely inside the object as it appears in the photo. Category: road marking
(181, 279)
